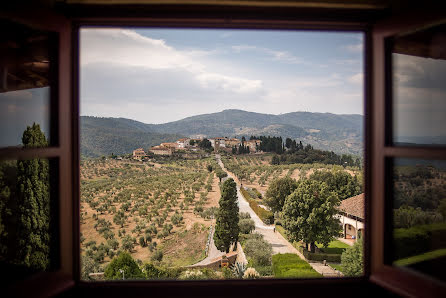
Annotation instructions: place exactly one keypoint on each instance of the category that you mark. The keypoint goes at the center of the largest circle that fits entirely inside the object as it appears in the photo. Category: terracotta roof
(353, 206)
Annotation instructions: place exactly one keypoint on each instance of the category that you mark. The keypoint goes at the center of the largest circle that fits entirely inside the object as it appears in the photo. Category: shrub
(227, 273)
(192, 275)
(419, 239)
(259, 251)
(238, 269)
(246, 226)
(319, 257)
(351, 260)
(266, 216)
(127, 264)
(290, 265)
(251, 273)
(157, 255)
(244, 215)
(153, 272)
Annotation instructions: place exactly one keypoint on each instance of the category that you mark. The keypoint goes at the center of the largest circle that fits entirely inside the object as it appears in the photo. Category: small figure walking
(274, 229)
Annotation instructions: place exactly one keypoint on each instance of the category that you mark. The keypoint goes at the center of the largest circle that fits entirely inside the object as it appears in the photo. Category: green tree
(442, 208)
(352, 260)
(309, 214)
(88, 266)
(341, 182)
(128, 243)
(8, 179)
(246, 225)
(226, 226)
(127, 264)
(277, 191)
(275, 160)
(33, 213)
(221, 174)
(205, 144)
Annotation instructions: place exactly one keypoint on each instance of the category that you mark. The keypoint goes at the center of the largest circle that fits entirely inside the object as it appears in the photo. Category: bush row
(266, 216)
(319, 257)
(419, 239)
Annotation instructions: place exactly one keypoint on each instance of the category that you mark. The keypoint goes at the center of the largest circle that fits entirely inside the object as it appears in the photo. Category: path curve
(277, 241)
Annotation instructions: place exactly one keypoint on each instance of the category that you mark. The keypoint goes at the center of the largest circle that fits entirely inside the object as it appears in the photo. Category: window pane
(25, 76)
(419, 87)
(419, 189)
(28, 225)
(168, 115)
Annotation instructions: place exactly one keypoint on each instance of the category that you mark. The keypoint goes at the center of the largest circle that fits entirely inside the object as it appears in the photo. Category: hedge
(291, 266)
(317, 256)
(266, 216)
(419, 239)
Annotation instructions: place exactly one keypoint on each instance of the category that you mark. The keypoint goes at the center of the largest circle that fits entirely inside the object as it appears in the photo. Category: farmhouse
(138, 153)
(351, 213)
(170, 145)
(252, 144)
(183, 142)
(232, 142)
(161, 150)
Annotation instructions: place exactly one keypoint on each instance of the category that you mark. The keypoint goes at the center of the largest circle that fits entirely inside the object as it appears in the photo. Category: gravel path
(213, 253)
(277, 241)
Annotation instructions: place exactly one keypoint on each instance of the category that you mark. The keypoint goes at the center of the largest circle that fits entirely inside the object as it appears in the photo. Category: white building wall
(356, 224)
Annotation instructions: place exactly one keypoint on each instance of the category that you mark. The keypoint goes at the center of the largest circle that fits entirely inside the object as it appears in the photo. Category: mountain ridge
(327, 131)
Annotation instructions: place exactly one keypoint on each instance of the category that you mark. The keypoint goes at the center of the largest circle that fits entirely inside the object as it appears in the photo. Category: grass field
(334, 247)
(421, 258)
(291, 266)
(336, 266)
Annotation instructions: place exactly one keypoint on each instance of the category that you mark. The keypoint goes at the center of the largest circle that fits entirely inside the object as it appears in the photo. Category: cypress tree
(33, 218)
(226, 227)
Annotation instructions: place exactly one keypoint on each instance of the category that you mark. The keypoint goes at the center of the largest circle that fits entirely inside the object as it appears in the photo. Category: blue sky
(162, 75)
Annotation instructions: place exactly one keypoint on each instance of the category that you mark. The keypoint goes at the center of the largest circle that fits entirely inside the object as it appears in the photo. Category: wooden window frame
(67, 21)
(397, 279)
(228, 18)
(61, 149)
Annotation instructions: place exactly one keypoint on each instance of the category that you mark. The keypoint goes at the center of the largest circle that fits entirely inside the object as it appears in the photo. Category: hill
(104, 136)
(338, 133)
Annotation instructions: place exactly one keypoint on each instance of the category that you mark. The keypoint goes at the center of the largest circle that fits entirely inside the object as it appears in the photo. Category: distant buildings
(183, 143)
(191, 144)
(139, 153)
(161, 150)
(252, 145)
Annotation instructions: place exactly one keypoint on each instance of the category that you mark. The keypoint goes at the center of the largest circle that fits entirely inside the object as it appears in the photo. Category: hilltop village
(185, 145)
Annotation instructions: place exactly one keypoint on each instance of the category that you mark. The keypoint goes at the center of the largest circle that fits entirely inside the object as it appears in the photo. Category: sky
(163, 75)
(419, 99)
(22, 108)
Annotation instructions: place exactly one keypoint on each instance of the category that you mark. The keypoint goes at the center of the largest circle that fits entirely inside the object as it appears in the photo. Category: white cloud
(126, 74)
(357, 78)
(275, 55)
(355, 48)
(127, 49)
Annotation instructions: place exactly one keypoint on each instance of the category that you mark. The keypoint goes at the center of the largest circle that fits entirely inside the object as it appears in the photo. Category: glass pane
(419, 87)
(25, 75)
(27, 218)
(167, 115)
(419, 189)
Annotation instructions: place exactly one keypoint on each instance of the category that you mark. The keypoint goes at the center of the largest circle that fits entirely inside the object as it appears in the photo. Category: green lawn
(281, 230)
(336, 266)
(422, 257)
(334, 247)
(291, 266)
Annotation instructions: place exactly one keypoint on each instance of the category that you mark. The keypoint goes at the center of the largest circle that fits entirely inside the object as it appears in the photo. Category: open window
(35, 153)
(409, 110)
(386, 153)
